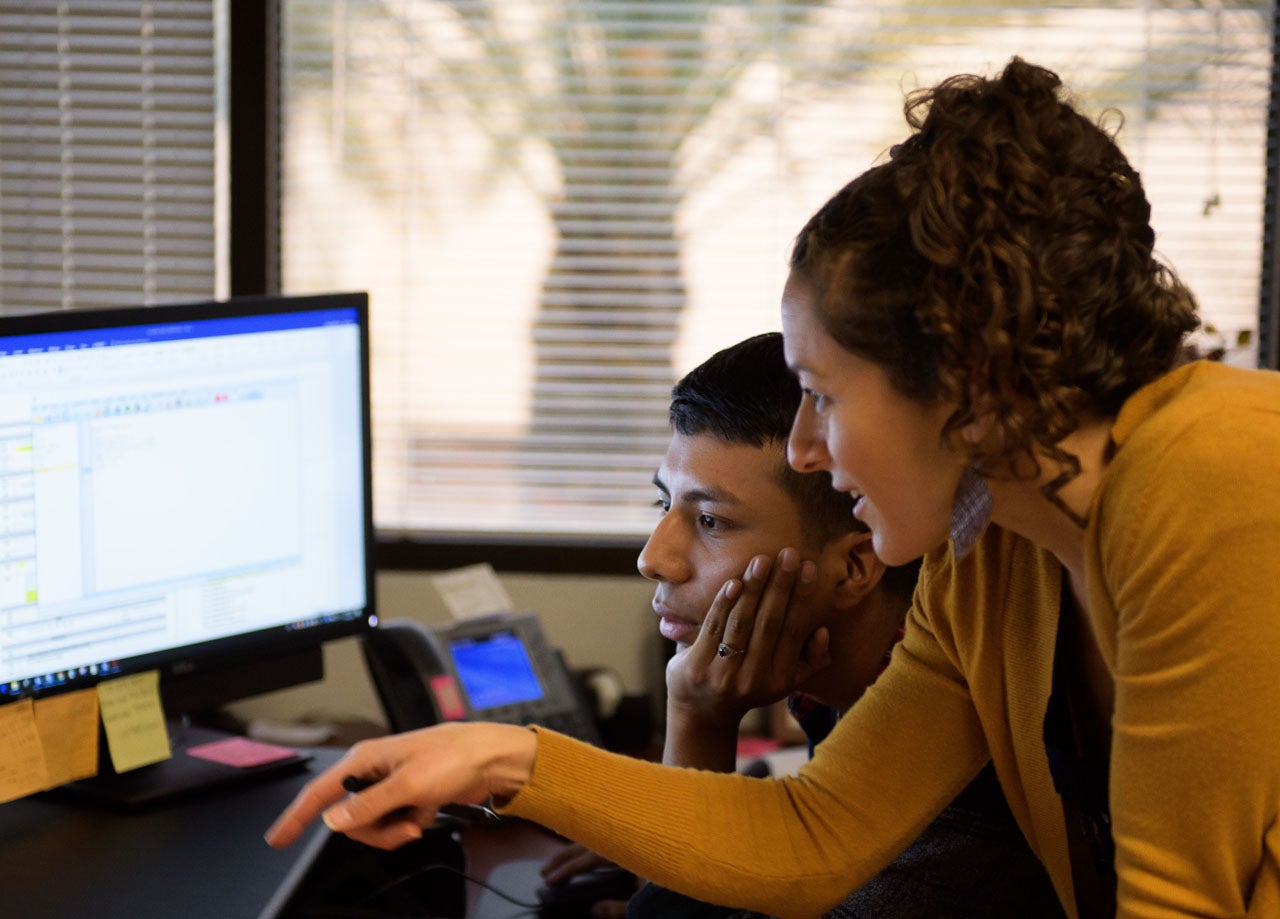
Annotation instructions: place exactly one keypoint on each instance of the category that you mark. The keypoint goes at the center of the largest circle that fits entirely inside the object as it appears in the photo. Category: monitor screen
(181, 485)
(495, 670)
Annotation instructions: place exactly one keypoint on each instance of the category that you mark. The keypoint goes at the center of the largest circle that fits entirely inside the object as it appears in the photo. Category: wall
(598, 621)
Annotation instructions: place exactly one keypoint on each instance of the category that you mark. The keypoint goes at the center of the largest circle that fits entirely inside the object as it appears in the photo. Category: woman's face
(876, 442)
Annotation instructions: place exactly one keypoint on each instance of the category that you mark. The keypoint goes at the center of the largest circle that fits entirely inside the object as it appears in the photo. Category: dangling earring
(970, 512)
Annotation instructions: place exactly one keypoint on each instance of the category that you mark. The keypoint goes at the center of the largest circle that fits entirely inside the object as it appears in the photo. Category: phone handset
(413, 675)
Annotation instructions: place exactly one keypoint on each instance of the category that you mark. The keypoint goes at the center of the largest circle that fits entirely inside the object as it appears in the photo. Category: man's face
(721, 504)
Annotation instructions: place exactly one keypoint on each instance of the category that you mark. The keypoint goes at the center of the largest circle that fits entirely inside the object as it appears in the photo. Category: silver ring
(728, 651)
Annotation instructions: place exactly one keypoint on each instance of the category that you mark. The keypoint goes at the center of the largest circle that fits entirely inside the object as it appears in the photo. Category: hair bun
(1025, 79)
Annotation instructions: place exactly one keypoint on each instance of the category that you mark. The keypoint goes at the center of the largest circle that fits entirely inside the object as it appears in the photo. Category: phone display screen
(495, 670)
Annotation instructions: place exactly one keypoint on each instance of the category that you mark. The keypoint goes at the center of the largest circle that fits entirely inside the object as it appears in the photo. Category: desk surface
(203, 856)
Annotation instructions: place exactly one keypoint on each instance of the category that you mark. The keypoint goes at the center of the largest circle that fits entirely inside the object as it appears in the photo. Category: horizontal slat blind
(559, 207)
(107, 152)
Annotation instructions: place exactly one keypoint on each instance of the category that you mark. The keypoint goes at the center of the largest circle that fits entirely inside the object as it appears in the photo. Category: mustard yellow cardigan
(1183, 568)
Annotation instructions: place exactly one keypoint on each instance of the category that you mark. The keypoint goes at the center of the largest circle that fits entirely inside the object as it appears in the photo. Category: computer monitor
(183, 488)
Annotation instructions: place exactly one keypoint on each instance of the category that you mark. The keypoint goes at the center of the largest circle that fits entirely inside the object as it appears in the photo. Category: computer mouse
(574, 897)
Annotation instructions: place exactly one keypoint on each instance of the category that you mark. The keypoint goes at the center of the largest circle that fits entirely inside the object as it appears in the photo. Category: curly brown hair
(1001, 259)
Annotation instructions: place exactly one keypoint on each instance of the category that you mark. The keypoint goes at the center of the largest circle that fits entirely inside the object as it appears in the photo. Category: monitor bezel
(189, 672)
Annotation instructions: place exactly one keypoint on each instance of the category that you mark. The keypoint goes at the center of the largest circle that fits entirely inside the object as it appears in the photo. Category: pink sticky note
(240, 751)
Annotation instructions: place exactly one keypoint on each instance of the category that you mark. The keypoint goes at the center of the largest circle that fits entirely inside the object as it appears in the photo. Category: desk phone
(497, 668)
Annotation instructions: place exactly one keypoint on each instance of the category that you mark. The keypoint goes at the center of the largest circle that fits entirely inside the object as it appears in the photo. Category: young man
(727, 497)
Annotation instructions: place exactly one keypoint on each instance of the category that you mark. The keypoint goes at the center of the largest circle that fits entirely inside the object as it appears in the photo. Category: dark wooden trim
(432, 552)
(253, 51)
(1269, 301)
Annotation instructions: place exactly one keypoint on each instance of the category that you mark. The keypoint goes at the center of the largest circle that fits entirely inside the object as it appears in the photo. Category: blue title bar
(108, 337)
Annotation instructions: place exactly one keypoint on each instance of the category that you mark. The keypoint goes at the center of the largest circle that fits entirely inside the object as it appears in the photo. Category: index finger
(325, 790)
(317, 796)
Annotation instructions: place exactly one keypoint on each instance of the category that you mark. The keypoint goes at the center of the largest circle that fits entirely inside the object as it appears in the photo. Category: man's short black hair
(746, 394)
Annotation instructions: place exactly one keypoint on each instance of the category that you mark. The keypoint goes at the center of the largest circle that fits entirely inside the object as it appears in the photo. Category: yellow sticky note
(68, 726)
(22, 768)
(134, 720)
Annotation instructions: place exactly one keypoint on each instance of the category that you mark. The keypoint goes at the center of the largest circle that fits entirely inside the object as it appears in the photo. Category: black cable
(385, 888)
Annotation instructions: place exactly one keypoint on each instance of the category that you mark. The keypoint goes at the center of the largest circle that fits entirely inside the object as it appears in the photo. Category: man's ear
(862, 568)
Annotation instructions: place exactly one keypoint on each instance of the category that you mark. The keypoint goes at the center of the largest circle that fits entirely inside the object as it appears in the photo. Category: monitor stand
(180, 775)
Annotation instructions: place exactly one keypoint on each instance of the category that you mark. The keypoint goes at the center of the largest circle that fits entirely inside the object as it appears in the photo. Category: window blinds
(107, 153)
(560, 207)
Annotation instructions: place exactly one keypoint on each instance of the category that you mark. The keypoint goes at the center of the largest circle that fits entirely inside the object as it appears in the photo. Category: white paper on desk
(472, 592)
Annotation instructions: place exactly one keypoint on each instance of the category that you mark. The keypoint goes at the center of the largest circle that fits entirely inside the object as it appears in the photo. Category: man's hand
(755, 646)
(572, 860)
(575, 859)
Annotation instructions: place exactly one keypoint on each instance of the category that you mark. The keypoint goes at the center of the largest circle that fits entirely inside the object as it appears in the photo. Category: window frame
(254, 64)
(254, 221)
(1269, 289)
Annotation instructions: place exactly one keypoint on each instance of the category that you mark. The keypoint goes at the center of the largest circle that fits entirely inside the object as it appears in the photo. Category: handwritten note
(22, 765)
(471, 592)
(68, 726)
(134, 720)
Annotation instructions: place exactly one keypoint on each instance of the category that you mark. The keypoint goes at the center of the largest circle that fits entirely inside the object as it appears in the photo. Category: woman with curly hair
(990, 355)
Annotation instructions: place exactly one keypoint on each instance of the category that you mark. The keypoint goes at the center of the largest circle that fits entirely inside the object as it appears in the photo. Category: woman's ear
(862, 568)
(984, 435)
(976, 432)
